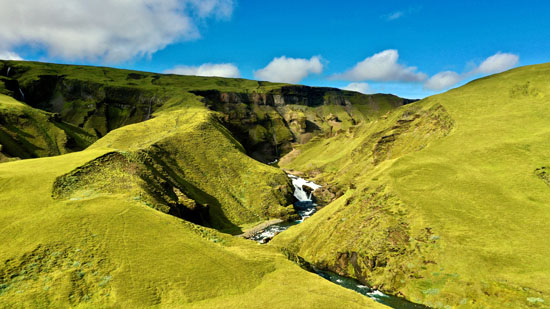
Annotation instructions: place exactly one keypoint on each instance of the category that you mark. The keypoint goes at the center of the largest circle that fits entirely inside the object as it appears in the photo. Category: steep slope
(26, 132)
(111, 250)
(188, 154)
(444, 201)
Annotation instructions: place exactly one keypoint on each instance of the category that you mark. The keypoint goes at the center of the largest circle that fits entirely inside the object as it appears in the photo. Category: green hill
(444, 201)
(111, 250)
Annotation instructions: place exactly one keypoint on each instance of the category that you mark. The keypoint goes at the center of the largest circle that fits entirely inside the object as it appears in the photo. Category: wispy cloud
(442, 80)
(289, 70)
(497, 63)
(207, 69)
(394, 15)
(8, 55)
(382, 66)
(400, 13)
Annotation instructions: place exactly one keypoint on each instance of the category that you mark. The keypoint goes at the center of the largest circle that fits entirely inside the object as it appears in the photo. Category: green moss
(130, 255)
(28, 133)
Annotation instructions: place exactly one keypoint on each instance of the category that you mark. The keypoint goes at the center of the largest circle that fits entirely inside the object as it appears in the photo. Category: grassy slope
(28, 132)
(119, 77)
(445, 217)
(201, 155)
(113, 251)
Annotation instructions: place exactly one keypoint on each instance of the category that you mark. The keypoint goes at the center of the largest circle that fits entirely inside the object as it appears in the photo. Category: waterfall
(8, 72)
(305, 208)
(22, 94)
(299, 193)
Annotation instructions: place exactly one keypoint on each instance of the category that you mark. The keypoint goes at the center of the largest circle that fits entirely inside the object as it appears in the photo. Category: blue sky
(372, 46)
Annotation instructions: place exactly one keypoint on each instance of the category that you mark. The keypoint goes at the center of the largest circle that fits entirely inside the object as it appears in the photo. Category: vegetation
(103, 250)
(443, 201)
(26, 132)
(123, 188)
(89, 102)
(127, 221)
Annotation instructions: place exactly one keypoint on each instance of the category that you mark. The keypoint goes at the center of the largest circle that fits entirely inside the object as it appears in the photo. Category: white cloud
(207, 69)
(359, 87)
(382, 66)
(289, 70)
(7, 55)
(497, 63)
(443, 80)
(107, 30)
(394, 15)
(494, 64)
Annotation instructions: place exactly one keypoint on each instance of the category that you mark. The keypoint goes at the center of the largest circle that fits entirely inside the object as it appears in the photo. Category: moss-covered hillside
(102, 246)
(445, 201)
(122, 189)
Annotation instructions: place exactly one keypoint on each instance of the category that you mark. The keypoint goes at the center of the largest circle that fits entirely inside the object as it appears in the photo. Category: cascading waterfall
(8, 72)
(22, 94)
(299, 193)
(304, 207)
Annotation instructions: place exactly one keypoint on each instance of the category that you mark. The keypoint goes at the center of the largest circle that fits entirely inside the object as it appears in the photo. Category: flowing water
(305, 207)
(352, 284)
(22, 94)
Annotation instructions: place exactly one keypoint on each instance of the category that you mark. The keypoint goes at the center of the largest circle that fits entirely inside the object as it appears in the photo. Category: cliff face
(92, 106)
(267, 119)
(268, 124)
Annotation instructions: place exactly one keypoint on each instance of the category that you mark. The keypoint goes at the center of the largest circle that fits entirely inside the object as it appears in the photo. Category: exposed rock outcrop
(267, 124)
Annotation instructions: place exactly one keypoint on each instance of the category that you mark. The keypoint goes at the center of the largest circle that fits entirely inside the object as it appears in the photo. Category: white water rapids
(299, 193)
(304, 208)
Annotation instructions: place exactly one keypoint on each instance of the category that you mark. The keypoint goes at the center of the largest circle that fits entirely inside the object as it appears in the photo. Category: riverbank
(258, 228)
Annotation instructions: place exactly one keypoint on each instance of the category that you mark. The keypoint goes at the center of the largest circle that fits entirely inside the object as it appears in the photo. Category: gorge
(126, 188)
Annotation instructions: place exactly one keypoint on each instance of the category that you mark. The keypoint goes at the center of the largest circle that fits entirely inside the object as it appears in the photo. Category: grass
(443, 201)
(111, 250)
(26, 132)
(104, 227)
(449, 209)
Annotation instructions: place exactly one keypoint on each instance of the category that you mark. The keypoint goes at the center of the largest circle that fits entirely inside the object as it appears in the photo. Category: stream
(305, 207)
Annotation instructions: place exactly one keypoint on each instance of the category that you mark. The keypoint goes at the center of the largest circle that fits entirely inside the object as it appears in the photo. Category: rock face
(267, 124)
(95, 107)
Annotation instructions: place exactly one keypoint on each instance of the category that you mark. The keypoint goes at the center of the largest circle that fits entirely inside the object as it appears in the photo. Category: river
(305, 207)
